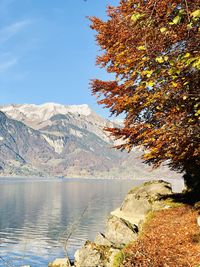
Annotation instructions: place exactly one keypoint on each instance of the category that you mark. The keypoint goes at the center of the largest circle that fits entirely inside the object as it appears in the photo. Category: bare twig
(6, 262)
(148, 21)
(74, 227)
(186, 4)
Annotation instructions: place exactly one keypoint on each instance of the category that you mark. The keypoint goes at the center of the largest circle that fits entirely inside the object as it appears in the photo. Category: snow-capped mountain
(53, 139)
(39, 117)
(43, 112)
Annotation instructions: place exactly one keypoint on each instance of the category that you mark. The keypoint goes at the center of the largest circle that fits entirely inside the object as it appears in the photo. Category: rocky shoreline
(124, 225)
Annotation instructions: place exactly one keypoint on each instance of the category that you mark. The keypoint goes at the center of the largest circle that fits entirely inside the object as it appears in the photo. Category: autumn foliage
(152, 49)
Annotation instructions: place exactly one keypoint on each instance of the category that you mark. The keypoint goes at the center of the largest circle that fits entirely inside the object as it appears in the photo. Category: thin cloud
(9, 31)
(5, 65)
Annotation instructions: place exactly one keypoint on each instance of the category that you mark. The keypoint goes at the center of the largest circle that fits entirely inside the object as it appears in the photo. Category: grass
(118, 259)
(172, 203)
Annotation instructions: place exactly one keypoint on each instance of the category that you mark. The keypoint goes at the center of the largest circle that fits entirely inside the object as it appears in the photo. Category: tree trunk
(192, 178)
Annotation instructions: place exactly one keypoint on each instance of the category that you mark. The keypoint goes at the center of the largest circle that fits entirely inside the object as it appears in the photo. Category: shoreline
(66, 179)
(85, 178)
(128, 226)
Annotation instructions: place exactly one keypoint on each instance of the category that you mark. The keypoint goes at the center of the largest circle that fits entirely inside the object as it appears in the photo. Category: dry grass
(168, 240)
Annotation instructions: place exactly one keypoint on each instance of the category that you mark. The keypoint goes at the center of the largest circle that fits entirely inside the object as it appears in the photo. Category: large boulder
(101, 240)
(93, 255)
(140, 200)
(120, 232)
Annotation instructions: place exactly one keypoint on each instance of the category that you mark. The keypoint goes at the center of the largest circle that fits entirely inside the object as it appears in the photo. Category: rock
(62, 262)
(93, 255)
(110, 260)
(140, 200)
(88, 256)
(198, 221)
(102, 240)
(120, 232)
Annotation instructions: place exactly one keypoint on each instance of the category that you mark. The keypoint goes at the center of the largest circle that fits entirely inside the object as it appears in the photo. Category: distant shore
(177, 183)
(83, 177)
(71, 177)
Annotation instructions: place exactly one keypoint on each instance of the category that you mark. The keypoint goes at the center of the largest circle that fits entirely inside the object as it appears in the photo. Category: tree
(152, 48)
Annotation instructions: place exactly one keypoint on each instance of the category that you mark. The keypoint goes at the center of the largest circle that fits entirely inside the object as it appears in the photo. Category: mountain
(35, 114)
(53, 139)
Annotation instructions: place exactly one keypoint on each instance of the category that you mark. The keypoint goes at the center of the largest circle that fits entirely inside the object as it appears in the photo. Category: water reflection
(36, 216)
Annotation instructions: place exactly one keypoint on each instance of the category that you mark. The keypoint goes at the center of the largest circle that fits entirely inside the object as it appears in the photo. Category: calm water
(36, 216)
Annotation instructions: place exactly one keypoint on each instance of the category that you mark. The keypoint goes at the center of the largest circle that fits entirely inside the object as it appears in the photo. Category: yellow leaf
(136, 16)
(163, 29)
(159, 59)
(141, 47)
(197, 113)
(150, 83)
(196, 14)
(189, 26)
(148, 73)
(196, 64)
(145, 58)
(166, 58)
(185, 97)
(174, 84)
(190, 120)
(177, 19)
(187, 55)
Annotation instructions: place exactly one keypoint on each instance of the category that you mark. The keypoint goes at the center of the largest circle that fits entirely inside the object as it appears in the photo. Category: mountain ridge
(63, 141)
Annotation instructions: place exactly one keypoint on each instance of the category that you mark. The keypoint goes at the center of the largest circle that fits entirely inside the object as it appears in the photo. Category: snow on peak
(44, 111)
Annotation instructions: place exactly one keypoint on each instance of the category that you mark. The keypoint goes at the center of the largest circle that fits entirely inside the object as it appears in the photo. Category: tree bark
(192, 178)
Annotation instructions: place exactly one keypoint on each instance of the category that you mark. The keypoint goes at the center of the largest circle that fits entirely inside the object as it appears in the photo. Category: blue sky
(47, 51)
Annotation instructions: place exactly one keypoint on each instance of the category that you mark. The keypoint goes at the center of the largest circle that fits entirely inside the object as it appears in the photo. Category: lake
(37, 215)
